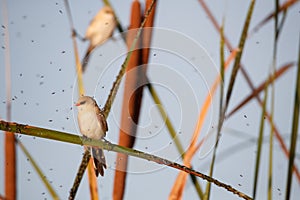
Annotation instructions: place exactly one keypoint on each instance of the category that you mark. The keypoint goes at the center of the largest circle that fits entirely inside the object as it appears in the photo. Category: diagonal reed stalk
(259, 143)
(274, 65)
(75, 139)
(294, 131)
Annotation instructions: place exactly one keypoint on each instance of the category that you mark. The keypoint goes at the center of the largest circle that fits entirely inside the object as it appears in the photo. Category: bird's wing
(101, 119)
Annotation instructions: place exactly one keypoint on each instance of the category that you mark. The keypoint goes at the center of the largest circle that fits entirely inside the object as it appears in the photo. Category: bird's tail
(86, 58)
(99, 161)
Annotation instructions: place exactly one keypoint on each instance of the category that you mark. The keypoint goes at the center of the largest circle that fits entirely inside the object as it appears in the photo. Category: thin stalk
(39, 172)
(276, 35)
(85, 160)
(270, 171)
(236, 65)
(294, 132)
(259, 143)
(222, 69)
(76, 54)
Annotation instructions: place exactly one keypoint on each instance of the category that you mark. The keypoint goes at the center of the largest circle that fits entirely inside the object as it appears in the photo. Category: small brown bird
(100, 29)
(92, 124)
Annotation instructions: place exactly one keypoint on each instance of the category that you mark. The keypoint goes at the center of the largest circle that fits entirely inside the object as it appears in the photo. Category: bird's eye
(82, 102)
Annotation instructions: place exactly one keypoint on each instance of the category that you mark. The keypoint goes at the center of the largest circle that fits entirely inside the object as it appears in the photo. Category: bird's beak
(77, 104)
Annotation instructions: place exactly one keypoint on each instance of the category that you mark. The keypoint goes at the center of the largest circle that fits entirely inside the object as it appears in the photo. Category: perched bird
(100, 29)
(92, 124)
